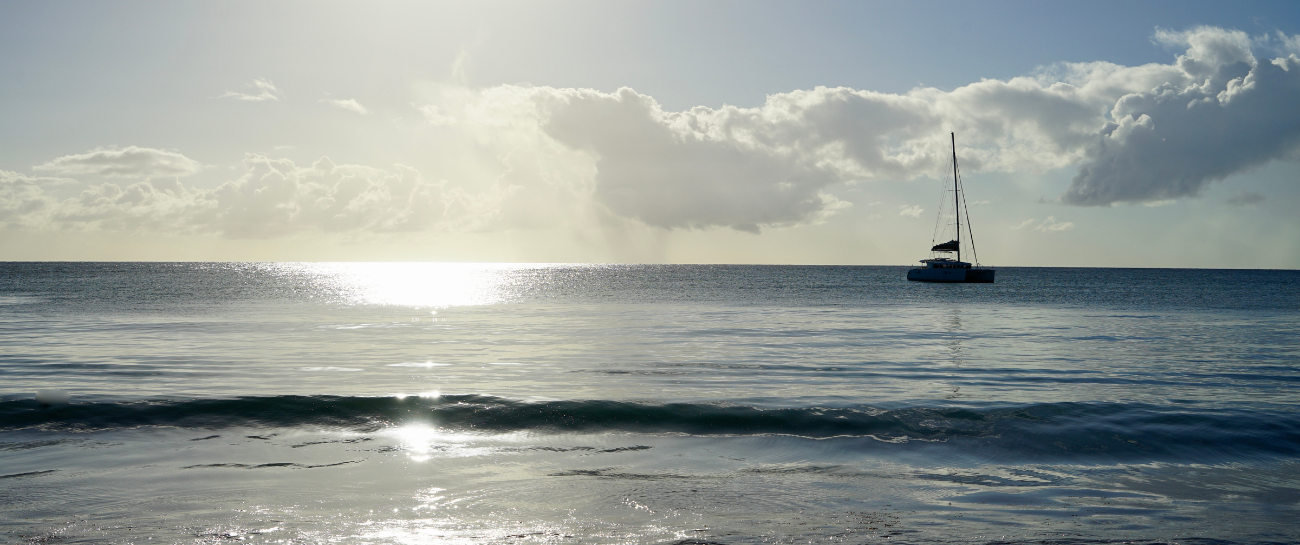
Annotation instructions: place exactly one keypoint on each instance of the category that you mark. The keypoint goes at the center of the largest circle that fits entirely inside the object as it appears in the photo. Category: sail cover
(950, 246)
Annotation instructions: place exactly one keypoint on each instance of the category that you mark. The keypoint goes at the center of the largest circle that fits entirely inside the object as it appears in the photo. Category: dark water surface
(466, 403)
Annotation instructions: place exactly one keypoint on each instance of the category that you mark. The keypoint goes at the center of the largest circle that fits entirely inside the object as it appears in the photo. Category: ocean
(409, 403)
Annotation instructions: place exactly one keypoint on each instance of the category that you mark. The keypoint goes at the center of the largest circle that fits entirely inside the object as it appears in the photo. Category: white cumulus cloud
(910, 211)
(274, 197)
(684, 169)
(264, 88)
(1229, 113)
(349, 104)
(22, 197)
(1048, 225)
(128, 162)
(435, 116)
(1137, 134)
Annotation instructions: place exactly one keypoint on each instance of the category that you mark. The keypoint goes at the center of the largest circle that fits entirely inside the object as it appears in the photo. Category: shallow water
(419, 403)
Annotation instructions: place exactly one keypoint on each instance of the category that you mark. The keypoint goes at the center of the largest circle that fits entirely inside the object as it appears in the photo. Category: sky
(1108, 134)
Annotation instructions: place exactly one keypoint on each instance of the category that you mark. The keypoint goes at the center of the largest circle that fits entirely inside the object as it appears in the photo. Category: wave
(1043, 430)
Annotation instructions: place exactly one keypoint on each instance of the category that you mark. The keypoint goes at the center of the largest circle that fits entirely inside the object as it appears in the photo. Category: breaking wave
(1123, 432)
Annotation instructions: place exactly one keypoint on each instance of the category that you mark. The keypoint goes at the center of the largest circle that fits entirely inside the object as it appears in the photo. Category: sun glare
(426, 285)
(419, 440)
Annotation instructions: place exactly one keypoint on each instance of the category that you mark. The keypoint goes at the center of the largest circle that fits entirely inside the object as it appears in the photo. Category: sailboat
(944, 263)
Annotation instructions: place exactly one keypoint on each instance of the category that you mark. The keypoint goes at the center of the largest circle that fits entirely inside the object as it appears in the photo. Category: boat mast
(956, 207)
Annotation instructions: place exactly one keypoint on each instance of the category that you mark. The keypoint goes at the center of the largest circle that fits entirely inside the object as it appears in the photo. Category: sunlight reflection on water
(430, 285)
(422, 442)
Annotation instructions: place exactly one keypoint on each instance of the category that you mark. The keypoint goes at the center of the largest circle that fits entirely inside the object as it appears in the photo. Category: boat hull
(955, 276)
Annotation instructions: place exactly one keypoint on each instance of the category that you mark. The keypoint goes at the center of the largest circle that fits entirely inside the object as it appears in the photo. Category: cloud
(1245, 198)
(276, 198)
(22, 197)
(160, 206)
(1048, 225)
(749, 168)
(349, 104)
(129, 162)
(266, 91)
(1129, 130)
(273, 198)
(1142, 134)
(912, 211)
(435, 116)
(1232, 113)
(1287, 45)
(685, 169)
(18, 178)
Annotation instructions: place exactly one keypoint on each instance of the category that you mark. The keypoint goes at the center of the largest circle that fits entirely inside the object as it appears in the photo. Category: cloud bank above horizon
(1134, 134)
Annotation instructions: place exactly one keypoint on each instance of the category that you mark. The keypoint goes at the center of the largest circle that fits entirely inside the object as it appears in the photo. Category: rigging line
(938, 218)
(968, 229)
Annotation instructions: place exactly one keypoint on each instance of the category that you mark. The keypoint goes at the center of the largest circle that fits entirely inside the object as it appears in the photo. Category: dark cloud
(1245, 198)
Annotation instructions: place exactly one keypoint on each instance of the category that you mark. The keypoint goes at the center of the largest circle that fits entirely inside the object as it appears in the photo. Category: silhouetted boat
(944, 263)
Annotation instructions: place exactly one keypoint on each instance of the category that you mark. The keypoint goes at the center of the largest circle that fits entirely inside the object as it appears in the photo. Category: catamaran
(944, 263)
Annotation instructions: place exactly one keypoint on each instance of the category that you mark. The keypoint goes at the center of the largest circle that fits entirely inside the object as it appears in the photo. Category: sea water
(484, 403)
